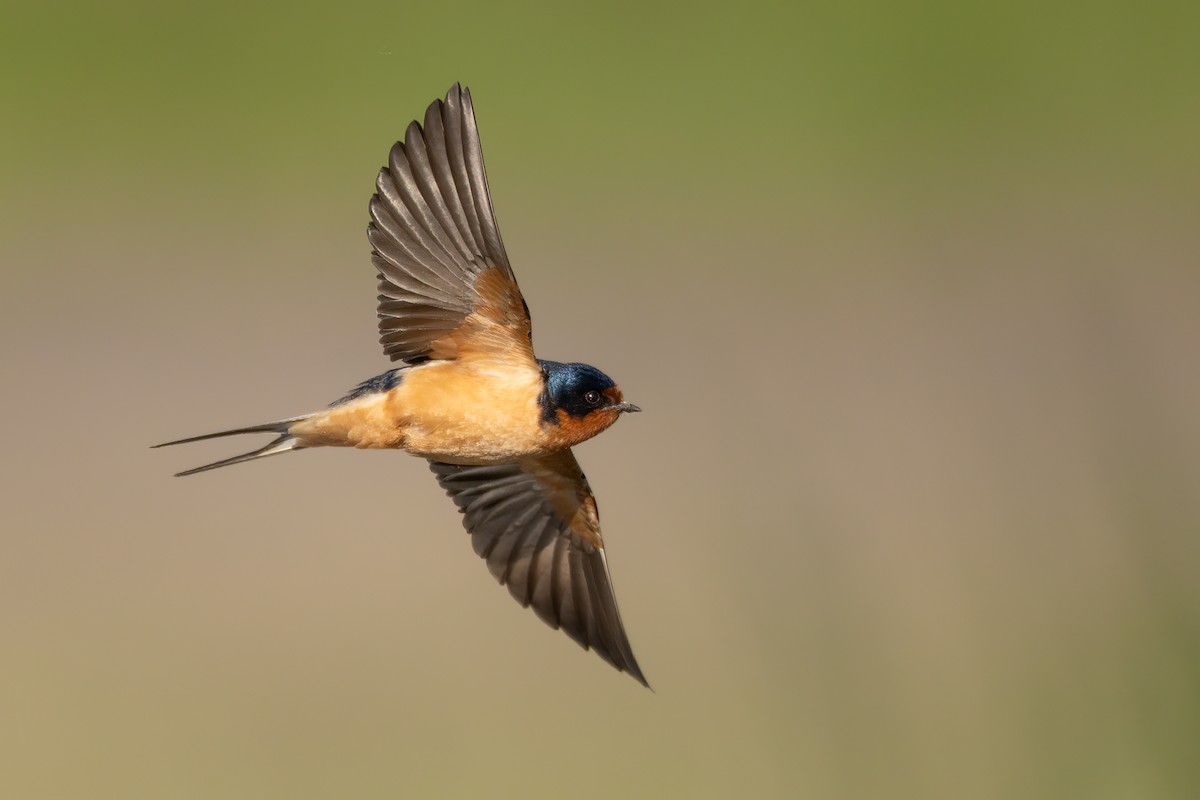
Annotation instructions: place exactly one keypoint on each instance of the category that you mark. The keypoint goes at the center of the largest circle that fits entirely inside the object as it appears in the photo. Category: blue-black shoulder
(380, 383)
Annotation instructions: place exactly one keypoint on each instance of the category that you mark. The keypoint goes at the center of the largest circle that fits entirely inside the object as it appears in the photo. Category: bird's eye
(592, 398)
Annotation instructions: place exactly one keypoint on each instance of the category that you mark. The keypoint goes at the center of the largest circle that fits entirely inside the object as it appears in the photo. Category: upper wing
(537, 525)
(446, 287)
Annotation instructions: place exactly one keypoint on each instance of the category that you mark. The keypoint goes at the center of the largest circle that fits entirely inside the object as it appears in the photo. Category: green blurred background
(910, 292)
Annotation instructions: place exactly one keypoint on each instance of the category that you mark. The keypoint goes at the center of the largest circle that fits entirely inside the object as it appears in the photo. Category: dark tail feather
(282, 444)
(279, 426)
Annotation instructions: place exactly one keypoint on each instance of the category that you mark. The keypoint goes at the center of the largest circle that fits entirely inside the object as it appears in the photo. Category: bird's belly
(464, 442)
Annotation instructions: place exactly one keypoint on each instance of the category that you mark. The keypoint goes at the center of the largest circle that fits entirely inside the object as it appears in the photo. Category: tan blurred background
(910, 292)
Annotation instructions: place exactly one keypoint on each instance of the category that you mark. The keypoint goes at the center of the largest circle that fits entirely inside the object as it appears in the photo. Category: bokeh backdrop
(910, 293)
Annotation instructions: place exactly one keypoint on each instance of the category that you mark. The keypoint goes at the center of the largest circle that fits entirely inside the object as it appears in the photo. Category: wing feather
(536, 526)
(405, 243)
(446, 160)
(427, 226)
(473, 153)
(446, 288)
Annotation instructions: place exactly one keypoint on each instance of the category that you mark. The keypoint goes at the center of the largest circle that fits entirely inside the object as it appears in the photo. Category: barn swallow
(496, 424)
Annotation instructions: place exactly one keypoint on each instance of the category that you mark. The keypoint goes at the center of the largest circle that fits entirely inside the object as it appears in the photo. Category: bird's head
(579, 401)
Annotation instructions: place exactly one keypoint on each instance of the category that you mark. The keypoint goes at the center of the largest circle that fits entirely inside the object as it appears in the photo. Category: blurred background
(910, 293)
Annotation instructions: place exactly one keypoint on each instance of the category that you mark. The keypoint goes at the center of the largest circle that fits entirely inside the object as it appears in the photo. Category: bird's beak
(627, 407)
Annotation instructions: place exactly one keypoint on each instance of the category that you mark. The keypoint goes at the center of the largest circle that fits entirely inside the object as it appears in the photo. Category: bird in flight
(496, 424)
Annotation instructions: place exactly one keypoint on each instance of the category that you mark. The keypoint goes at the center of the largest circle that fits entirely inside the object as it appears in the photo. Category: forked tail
(282, 444)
